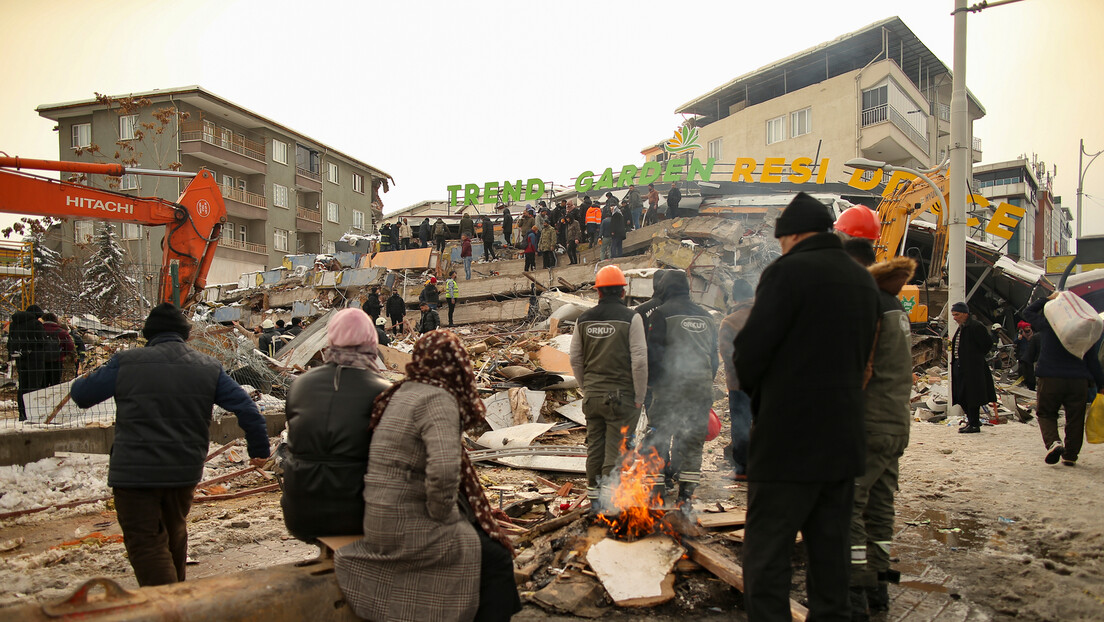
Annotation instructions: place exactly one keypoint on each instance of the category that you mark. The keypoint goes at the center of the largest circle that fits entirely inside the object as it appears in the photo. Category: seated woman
(431, 549)
(328, 412)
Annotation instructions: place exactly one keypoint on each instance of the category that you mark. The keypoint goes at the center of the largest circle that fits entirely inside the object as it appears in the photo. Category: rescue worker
(886, 415)
(266, 342)
(593, 223)
(385, 238)
(381, 331)
(609, 357)
(682, 361)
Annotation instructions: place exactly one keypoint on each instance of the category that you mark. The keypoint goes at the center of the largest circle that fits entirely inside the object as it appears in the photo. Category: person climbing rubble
(609, 357)
(396, 310)
(164, 394)
(682, 361)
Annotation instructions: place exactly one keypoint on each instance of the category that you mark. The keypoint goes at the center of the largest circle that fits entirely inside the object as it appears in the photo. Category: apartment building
(877, 93)
(285, 192)
(1046, 228)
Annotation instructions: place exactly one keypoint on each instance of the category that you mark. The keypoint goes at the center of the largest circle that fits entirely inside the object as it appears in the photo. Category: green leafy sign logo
(685, 139)
(908, 304)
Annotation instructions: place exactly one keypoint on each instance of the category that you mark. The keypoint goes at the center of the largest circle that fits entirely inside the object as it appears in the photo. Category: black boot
(859, 610)
(686, 495)
(878, 597)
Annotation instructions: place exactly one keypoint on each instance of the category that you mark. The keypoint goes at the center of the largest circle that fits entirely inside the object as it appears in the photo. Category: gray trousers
(610, 418)
(873, 511)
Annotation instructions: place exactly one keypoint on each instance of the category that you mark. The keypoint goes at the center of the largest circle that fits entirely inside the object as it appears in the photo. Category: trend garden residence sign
(772, 171)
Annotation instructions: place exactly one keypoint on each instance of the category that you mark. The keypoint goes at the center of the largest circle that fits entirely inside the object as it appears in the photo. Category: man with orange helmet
(609, 357)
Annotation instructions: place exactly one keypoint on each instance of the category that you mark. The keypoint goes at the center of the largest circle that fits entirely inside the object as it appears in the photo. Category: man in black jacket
(971, 379)
(674, 197)
(396, 310)
(801, 357)
(682, 361)
(372, 303)
(430, 320)
(163, 394)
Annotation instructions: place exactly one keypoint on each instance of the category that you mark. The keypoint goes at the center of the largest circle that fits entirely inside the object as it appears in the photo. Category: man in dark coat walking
(371, 304)
(164, 394)
(801, 357)
(674, 197)
(971, 379)
(396, 310)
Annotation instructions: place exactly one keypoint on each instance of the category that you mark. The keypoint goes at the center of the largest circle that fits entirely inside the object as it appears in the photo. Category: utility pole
(1081, 170)
(961, 158)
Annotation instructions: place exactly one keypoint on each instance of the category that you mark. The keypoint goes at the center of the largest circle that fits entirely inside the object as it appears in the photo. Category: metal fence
(41, 358)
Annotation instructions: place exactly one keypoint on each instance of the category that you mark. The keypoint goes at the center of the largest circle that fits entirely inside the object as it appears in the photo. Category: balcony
(249, 247)
(308, 219)
(244, 204)
(308, 179)
(888, 136)
(222, 146)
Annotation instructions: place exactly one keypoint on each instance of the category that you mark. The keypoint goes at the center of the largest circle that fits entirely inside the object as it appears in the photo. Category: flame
(635, 510)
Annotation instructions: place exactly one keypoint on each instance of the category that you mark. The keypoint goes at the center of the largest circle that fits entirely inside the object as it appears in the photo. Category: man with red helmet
(1027, 353)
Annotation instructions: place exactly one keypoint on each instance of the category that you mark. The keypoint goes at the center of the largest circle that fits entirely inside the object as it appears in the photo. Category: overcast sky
(439, 93)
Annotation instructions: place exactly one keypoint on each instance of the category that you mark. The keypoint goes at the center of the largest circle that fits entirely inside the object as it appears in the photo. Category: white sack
(1074, 321)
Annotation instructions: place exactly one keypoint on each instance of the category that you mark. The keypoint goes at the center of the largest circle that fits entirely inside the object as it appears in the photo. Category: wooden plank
(727, 570)
(730, 518)
(412, 259)
(553, 360)
(237, 495)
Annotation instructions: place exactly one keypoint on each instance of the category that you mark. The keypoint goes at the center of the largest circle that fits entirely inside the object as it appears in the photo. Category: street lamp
(1081, 179)
(864, 164)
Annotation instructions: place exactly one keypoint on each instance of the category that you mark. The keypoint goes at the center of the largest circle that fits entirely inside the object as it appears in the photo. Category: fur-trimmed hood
(891, 275)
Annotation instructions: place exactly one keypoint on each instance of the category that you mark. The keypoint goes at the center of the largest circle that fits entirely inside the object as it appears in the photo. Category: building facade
(1045, 230)
(877, 93)
(285, 193)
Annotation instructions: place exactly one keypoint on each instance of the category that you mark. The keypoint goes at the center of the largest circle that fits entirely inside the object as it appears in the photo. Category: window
(128, 182)
(331, 172)
(128, 123)
(331, 248)
(82, 135)
(776, 130)
(801, 122)
(279, 196)
(280, 239)
(358, 219)
(358, 183)
(228, 232)
(82, 231)
(331, 211)
(307, 159)
(241, 233)
(279, 151)
(132, 231)
(715, 149)
(875, 97)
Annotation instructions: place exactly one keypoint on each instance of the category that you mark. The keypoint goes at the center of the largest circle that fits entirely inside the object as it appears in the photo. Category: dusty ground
(986, 530)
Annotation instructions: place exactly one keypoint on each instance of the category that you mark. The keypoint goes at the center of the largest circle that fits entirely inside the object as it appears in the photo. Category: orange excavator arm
(193, 223)
(900, 208)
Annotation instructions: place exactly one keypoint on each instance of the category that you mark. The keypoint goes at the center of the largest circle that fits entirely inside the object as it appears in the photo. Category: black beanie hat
(802, 215)
(960, 307)
(166, 318)
(34, 309)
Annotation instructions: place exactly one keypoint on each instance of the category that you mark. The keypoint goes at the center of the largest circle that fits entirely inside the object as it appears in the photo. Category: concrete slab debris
(573, 411)
(513, 436)
(513, 407)
(633, 570)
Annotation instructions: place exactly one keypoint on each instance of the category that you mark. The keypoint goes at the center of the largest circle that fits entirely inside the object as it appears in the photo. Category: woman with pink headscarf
(328, 413)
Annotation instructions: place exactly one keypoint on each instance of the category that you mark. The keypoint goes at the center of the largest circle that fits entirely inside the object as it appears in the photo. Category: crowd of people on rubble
(541, 230)
(817, 433)
(43, 351)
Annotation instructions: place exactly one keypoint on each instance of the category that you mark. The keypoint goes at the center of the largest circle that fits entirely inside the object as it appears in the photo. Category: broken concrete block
(501, 407)
(573, 411)
(514, 436)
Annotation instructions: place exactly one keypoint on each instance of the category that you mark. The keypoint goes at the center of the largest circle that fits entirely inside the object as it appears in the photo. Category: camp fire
(635, 507)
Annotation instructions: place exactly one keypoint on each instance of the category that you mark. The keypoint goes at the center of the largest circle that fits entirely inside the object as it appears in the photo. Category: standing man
(405, 233)
(652, 215)
(739, 404)
(466, 255)
(163, 394)
(1027, 353)
(971, 381)
(609, 357)
(430, 294)
(467, 226)
(606, 230)
(430, 320)
(452, 290)
(385, 238)
(573, 234)
(440, 232)
(396, 310)
(674, 197)
(682, 361)
(371, 304)
(1063, 382)
(60, 351)
(488, 239)
(507, 228)
(547, 245)
(423, 232)
(593, 222)
(617, 230)
(297, 322)
(803, 367)
(636, 206)
(532, 240)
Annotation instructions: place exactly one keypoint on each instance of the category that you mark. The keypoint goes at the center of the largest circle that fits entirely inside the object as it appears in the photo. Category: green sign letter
(673, 170)
(628, 174)
(606, 180)
(584, 182)
(534, 189)
(512, 192)
(452, 190)
(490, 193)
(650, 173)
(702, 172)
(471, 194)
